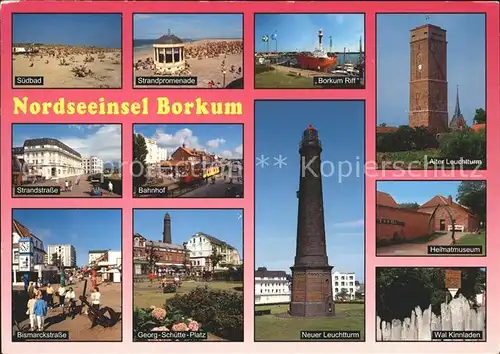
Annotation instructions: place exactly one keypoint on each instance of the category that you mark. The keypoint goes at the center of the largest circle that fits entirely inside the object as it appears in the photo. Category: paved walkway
(82, 190)
(417, 249)
(217, 190)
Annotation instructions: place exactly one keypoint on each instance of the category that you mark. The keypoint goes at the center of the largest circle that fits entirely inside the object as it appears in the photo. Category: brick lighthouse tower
(311, 273)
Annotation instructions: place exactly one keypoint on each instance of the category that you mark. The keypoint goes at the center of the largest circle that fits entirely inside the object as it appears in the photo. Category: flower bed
(157, 319)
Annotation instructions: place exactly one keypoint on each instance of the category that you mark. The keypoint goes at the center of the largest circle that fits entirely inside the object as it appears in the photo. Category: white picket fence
(455, 316)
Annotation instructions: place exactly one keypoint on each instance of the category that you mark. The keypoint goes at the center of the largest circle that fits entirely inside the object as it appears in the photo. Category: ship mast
(320, 39)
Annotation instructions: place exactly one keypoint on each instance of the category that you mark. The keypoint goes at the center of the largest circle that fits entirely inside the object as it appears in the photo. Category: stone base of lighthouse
(312, 292)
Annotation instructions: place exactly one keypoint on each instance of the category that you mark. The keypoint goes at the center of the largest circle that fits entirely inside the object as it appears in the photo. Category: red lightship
(317, 60)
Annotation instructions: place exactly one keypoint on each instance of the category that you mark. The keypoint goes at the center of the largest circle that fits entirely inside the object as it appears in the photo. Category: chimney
(183, 145)
(167, 229)
(450, 200)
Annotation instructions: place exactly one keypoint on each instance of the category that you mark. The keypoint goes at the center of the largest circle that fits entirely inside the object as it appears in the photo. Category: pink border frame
(247, 97)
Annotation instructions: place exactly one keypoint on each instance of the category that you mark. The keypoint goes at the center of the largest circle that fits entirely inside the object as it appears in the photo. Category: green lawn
(281, 79)
(146, 295)
(273, 328)
(474, 240)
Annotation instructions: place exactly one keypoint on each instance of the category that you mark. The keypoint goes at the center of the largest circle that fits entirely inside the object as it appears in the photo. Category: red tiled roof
(441, 200)
(20, 229)
(386, 199)
(478, 127)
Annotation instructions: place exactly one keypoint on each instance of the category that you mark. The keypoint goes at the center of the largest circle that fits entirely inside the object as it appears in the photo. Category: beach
(70, 67)
(205, 59)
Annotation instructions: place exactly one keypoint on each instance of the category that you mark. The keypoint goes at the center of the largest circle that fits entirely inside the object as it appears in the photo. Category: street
(81, 190)
(79, 327)
(417, 249)
(217, 190)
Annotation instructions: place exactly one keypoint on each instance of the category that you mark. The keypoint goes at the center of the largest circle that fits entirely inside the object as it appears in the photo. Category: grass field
(280, 79)
(273, 328)
(474, 240)
(146, 295)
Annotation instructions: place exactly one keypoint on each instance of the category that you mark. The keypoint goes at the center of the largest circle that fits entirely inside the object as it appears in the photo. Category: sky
(85, 229)
(101, 140)
(466, 63)
(278, 130)
(194, 26)
(221, 139)
(224, 224)
(418, 191)
(299, 32)
(99, 30)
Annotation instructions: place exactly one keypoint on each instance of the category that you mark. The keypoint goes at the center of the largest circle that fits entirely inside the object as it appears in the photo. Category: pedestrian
(50, 296)
(31, 289)
(30, 312)
(77, 180)
(40, 311)
(62, 293)
(66, 185)
(70, 299)
(70, 186)
(95, 298)
(110, 187)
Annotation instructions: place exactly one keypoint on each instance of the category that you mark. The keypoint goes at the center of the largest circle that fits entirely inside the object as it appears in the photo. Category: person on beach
(31, 313)
(40, 311)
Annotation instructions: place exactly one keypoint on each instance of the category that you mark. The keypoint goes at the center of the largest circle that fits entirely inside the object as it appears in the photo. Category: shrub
(406, 139)
(169, 288)
(221, 312)
(466, 144)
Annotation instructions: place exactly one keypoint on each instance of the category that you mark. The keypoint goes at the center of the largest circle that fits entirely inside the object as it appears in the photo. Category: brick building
(397, 223)
(170, 256)
(428, 81)
(428, 106)
(184, 153)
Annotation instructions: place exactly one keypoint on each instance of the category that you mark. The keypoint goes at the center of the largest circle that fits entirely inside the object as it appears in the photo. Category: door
(442, 225)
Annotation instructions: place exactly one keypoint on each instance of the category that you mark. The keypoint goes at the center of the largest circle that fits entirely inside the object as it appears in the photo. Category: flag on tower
(265, 38)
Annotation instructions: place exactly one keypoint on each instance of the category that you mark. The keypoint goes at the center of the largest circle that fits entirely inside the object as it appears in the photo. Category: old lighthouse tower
(311, 273)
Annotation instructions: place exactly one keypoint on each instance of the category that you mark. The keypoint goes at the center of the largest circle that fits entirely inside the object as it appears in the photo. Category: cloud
(215, 143)
(173, 141)
(351, 223)
(105, 142)
(186, 136)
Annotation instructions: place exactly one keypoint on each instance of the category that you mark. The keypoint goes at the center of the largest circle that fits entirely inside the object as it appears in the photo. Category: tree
(400, 290)
(413, 205)
(139, 164)
(343, 295)
(215, 259)
(472, 194)
(152, 256)
(480, 116)
(382, 125)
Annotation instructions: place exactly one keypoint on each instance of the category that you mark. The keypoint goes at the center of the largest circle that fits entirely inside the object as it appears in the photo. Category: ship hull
(313, 63)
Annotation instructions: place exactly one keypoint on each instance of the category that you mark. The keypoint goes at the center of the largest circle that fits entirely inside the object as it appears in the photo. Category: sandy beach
(70, 67)
(205, 59)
